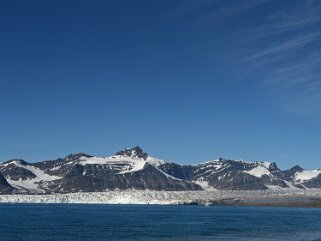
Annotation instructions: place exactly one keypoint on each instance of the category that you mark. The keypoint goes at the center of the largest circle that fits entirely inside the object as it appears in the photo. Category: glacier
(308, 197)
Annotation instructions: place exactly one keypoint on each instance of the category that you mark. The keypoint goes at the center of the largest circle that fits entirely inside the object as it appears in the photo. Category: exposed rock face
(96, 178)
(16, 171)
(239, 175)
(132, 168)
(219, 174)
(5, 187)
(60, 166)
(314, 182)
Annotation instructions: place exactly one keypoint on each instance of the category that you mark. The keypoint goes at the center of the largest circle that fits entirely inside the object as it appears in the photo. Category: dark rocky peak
(296, 168)
(273, 167)
(236, 163)
(133, 152)
(19, 161)
(230, 161)
(76, 156)
(222, 160)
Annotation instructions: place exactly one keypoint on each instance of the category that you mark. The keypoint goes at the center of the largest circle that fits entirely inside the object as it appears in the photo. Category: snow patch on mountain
(215, 164)
(31, 184)
(204, 184)
(154, 161)
(117, 163)
(266, 164)
(121, 163)
(306, 175)
(260, 170)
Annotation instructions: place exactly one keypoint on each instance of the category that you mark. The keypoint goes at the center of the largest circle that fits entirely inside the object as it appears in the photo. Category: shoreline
(276, 198)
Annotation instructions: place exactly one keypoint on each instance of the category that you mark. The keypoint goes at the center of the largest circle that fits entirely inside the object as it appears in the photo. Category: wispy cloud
(281, 44)
(207, 13)
(283, 48)
(222, 9)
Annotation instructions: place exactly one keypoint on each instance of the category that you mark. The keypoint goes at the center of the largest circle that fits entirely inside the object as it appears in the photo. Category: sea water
(154, 222)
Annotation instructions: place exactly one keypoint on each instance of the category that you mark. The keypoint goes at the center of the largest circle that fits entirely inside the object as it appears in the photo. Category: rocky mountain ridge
(134, 169)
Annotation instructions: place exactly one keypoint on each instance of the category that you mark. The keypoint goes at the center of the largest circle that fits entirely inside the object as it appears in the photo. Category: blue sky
(189, 81)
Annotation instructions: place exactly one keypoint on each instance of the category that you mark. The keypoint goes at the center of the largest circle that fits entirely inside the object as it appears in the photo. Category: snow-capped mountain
(132, 168)
(232, 174)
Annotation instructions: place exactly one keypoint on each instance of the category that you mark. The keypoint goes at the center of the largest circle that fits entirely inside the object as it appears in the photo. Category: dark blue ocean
(147, 222)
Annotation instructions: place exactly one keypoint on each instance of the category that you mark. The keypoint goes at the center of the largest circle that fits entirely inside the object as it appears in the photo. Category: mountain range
(132, 168)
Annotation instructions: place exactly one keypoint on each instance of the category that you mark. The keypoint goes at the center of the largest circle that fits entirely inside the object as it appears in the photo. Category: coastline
(277, 198)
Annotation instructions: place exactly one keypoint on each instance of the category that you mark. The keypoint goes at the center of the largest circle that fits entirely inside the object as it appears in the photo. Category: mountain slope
(5, 187)
(132, 168)
(232, 174)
